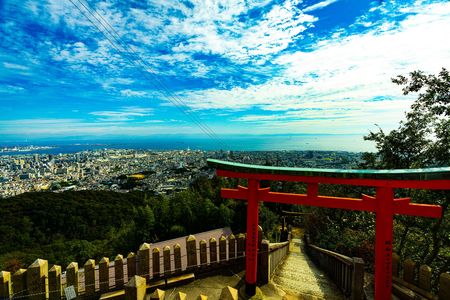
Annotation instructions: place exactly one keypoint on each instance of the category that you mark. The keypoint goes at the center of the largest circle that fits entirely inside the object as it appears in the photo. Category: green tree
(268, 221)
(421, 140)
(145, 223)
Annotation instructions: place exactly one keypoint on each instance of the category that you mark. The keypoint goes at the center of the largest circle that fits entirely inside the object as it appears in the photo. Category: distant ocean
(351, 143)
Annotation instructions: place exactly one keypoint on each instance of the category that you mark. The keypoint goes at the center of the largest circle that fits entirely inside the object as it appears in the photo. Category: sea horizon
(304, 142)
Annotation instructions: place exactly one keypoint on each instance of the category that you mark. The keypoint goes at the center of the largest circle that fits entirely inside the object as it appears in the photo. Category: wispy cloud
(79, 55)
(269, 35)
(346, 73)
(124, 114)
(37, 122)
(11, 89)
(57, 128)
(319, 5)
(15, 66)
(131, 93)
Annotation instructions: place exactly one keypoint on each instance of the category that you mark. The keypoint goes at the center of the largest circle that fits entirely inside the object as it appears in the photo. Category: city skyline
(271, 67)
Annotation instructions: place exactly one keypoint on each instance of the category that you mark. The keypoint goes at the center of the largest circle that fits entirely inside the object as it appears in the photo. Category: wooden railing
(277, 254)
(159, 267)
(270, 257)
(156, 265)
(347, 273)
(408, 288)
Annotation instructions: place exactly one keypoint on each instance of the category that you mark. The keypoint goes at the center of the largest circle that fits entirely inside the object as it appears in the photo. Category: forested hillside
(75, 226)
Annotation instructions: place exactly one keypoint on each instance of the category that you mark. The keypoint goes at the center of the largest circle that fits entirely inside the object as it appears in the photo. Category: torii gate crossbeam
(384, 205)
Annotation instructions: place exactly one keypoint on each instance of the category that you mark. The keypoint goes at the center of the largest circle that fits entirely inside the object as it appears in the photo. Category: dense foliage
(422, 140)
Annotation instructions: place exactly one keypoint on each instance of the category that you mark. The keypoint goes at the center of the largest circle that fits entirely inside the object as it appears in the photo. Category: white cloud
(210, 27)
(214, 28)
(57, 11)
(78, 55)
(362, 64)
(36, 122)
(15, 66)
(319, 5)
(32, 6)
(123, 80)
(122, 115)
(131, 93)
(110, 84)
(352, 72)
(75, 127)
(329, 117)
(11, 89)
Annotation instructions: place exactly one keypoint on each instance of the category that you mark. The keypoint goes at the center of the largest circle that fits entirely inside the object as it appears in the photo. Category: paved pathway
(301, 279)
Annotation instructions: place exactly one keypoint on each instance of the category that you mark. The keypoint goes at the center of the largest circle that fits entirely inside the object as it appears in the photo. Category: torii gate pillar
(251, 250)
(383, 242)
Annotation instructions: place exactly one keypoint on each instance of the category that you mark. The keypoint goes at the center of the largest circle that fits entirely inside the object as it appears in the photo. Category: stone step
(301, 279)
(164, 283)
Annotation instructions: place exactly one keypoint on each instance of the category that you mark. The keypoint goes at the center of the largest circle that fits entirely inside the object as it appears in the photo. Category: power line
(157, 83)
(121, 44)
(130, 47)
(165, 91)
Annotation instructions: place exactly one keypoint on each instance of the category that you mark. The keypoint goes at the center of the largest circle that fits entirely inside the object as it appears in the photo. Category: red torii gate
(383, 204)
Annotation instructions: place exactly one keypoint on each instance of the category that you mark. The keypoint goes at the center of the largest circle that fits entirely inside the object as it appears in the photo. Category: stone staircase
(301, 279)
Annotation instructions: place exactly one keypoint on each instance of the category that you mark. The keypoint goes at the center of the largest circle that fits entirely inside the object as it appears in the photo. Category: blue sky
(236, 67)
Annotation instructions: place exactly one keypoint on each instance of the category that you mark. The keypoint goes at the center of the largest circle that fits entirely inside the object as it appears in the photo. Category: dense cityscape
(124, 170)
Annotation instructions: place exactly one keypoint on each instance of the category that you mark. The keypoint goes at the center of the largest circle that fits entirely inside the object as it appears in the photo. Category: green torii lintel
(396, 174)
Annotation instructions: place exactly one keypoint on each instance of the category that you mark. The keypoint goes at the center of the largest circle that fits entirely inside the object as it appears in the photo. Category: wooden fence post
(231, 247)
(54, 283)
(241, 247)
(156, 262)
(425, 278)
(191, 249)
(212, 251)
(118, 271)
(395, 262)
(444, 286)
(144, 260)
(263, 269)
(89, 277)
(177, 257)
(103, 274)
(37, 280)
(203, 254)
(5, 285)
(72, 276)
(166, 259)
(19, 281)
(222, 249)
(135, 289)
(408, 270)
(358, 279)
(260, 235)
(229, 293)
(259, 254)
(158, 295)
(131, 265)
